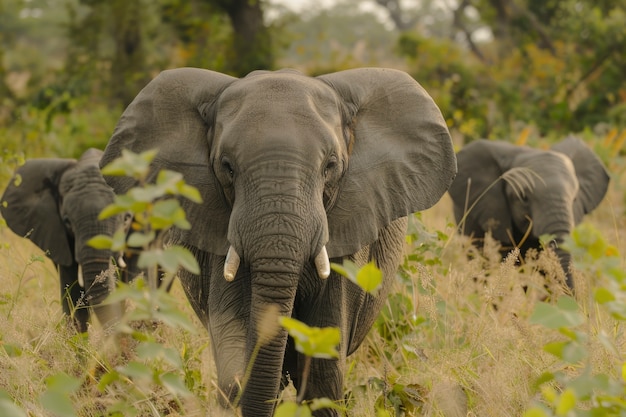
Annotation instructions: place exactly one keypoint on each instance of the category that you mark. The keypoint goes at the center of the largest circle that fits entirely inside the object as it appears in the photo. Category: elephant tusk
(231, 264)
(322, 264)
(120, 262)
(81, 280)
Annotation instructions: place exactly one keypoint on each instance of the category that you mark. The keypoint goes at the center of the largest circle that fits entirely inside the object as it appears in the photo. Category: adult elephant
(293, 170)
(519, 193)
(55, 203)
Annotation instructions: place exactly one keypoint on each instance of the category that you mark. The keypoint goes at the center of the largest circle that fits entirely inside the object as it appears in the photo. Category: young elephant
(293, 170)
(519, 194)
(55, 203)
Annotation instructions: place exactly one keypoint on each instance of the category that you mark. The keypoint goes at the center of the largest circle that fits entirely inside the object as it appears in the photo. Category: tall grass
(455, 337)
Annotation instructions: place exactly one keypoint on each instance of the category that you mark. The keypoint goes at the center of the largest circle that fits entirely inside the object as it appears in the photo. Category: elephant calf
(519, 194)
(55, 203)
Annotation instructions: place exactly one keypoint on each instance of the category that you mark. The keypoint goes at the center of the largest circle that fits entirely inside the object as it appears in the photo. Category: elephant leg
(73, 297)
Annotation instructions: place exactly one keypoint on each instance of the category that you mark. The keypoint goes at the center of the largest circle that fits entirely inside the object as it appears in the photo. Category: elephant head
(292, 170)
(55, 203)
(520, 193)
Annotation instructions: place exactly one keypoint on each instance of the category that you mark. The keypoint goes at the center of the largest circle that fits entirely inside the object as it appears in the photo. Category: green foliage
(56, 398)
(152, 212)
(426, 247)
(313, 342)
(577, 389)
(394, 398)
(368, 277)
(8, 407)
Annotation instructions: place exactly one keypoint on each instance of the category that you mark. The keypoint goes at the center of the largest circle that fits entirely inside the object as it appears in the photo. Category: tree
(252, 45)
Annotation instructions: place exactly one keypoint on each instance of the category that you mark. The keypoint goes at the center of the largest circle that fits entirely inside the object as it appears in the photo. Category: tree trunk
(252, 47)
(128, 61)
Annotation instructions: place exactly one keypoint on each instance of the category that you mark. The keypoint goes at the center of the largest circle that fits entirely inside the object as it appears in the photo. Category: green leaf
(567, 402)
(603, 295)
(149, 258)
(12, 350)
(574, 352)
(190, 193)
(167, 213)
(62, 382)
(139, 239)
(173, 317)
(56, 397)
(320, 403)
(111, 210)
(348, 269)
(369, 278)
(8, 407)
(174, 384)
(315, 342)
(145, 194)
(107, 379)
(536, 412)
(555, 348)
(137, 370)
(185, 258)
(131, 164)
(564, 314)
(57, 403)
(291, 409)
(170, 259)
(119, 240)
(100, 242)
(152, 350)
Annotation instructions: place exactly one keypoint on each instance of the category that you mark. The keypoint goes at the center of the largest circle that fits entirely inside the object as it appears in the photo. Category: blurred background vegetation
(497, 68)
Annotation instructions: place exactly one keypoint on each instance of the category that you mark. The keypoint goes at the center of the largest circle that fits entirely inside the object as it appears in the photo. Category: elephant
(55, 203)
(295, 172)
(519, 193)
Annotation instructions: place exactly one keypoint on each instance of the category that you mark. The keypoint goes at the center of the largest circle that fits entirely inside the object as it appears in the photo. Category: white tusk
(322, 264)
(120, 262)
(231, 264)
(81, 280)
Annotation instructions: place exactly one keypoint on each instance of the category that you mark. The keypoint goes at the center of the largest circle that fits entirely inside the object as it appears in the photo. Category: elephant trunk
(277, 288)
(276, 256)
(557, 220)
(99, 281)
(565, 259)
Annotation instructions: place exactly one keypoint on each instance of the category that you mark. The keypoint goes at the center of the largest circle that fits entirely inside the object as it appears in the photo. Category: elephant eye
(331, 166)
(228, 168)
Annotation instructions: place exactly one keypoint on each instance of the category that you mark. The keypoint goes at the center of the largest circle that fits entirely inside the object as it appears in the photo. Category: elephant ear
(30, 206)
(401, 155)
(169, 115)
(478, 192)
(593, 178)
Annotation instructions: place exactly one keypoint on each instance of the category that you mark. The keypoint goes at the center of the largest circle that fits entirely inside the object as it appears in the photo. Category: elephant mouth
(231, 265)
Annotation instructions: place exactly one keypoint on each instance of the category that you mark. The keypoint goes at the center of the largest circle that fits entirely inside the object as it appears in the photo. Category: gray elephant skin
(520, 193)
(55, 203)
(293, 171)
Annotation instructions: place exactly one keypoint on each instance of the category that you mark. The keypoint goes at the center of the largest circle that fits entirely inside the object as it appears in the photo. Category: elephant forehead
(552, 170)
(279, 98)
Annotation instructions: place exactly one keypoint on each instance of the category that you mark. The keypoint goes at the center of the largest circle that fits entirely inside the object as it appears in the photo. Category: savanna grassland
(459, 335)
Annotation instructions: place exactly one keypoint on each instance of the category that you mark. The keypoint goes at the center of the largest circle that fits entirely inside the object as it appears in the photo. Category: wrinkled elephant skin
(518, 193)
(55, 203)
(295, 172)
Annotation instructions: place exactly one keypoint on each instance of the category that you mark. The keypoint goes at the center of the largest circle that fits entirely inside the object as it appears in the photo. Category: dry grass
(466, 357)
